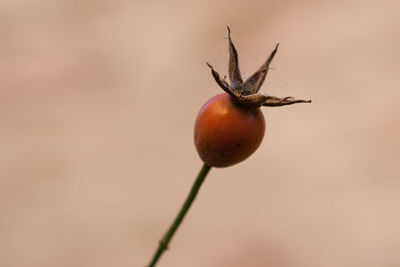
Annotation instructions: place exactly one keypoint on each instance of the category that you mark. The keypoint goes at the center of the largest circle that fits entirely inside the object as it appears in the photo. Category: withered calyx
(246, 93)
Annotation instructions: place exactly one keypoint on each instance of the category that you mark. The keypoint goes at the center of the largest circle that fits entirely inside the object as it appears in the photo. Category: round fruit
(227, 133)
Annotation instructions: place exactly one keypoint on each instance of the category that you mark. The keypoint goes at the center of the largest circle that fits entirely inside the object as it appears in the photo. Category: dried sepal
(253, 84)
(273, 101)
(251, 101)
(246, 93)
(233, 66)
(221, 82)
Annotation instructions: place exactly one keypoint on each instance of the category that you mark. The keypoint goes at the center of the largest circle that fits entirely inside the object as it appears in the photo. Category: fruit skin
(226, 133)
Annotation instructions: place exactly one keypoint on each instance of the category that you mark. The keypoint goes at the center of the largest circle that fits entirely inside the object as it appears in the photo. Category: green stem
(163, 245)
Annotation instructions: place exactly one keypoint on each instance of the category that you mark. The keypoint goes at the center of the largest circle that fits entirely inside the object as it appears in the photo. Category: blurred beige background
(97, 105)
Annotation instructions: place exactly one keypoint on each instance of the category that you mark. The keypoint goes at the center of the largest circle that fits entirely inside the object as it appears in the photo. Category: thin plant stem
(163, 245)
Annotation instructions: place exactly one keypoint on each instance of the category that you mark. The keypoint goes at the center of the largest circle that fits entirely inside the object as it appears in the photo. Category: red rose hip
(227, 133)
(230, 126)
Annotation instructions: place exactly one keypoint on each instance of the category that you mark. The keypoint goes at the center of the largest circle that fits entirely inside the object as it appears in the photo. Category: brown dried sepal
(246, 93)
